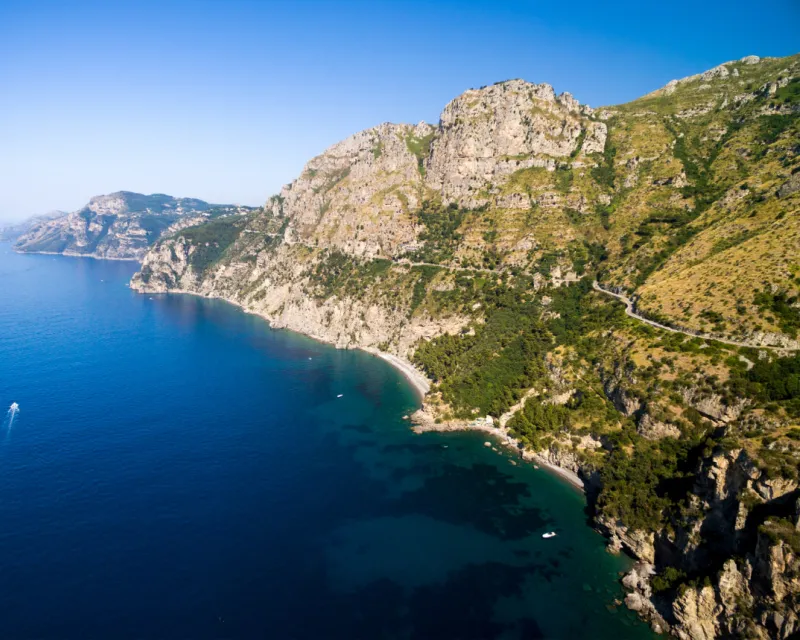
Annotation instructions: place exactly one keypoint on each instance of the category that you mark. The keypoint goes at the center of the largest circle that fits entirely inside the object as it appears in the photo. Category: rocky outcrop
(486, 134)
(360, 194)
(639, 544)
(755, 596)
(713, 406)
(792, 185)
(119, 226)
(652, 429)
(695, 614)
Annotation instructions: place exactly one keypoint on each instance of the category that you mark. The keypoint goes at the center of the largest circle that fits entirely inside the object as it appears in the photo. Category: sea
(175, 468)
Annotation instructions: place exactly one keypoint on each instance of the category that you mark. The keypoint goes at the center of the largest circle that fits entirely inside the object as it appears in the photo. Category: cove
(179, 469)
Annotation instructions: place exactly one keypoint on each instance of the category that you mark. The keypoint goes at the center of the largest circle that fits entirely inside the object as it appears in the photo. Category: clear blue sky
(226, 100)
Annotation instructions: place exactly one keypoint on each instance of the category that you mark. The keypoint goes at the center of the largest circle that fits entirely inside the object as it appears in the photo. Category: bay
(177, 469)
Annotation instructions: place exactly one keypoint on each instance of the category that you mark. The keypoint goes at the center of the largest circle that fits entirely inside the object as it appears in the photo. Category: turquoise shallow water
(179, 470)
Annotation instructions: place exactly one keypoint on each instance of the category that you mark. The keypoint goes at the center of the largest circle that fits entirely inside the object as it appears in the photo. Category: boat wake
(11, 414)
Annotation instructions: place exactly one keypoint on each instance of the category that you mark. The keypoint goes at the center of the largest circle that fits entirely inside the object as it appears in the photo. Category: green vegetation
(426, 274)
(785, 309)
(669, 579)
(337, 273)
(604, 173)
(781, 530)
(636, 485)
(770, 380)
(441, 235)
(211, 240)
(656, 238)
(563, 178)
(488, 369)
(421, 148)
(536, 421)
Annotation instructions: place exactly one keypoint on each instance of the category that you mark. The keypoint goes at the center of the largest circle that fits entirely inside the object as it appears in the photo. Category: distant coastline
(73, 255)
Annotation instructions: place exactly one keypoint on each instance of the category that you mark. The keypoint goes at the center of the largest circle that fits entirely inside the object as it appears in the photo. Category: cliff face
(737, 543)
(11, 232)
(117, 226)
(487, 135)
(469, 247)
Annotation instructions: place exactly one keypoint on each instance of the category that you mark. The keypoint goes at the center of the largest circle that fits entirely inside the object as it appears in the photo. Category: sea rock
(640, 544)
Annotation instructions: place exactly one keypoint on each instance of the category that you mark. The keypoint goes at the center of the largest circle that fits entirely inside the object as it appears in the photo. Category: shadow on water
(480, 496)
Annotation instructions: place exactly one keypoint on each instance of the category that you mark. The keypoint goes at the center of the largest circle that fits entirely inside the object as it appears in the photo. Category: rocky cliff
(469, 247)
(118, 226)
(732, 556)
(11, 232)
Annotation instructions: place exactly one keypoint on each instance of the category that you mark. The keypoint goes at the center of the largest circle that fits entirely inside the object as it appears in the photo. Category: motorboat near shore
(549, 534)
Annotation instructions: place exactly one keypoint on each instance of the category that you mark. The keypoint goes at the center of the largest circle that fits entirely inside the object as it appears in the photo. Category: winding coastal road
(629, 310)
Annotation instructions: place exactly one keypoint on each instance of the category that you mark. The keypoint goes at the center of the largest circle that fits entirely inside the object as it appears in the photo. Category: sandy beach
(414, 376)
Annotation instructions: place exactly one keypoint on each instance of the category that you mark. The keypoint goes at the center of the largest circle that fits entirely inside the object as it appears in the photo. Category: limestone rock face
(359, 195)
(653, 429)
(696, 611)
(487, 134)
(713, 406)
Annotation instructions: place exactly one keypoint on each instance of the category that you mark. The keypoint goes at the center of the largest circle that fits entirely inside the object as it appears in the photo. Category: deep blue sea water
(179, 470)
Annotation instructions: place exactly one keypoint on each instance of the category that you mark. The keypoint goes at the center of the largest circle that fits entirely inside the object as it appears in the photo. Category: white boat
(340, 395)
(549, 534)
(14, 407)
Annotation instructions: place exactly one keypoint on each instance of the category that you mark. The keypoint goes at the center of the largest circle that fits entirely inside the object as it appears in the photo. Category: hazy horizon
(226, 102)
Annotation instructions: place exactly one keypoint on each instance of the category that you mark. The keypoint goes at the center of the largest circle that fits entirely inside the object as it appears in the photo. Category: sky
(227, 100)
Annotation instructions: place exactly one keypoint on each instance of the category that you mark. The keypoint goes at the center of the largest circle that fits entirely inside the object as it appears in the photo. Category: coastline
(414, 376)
(73, 255)
(422, 421)
(420, 383)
